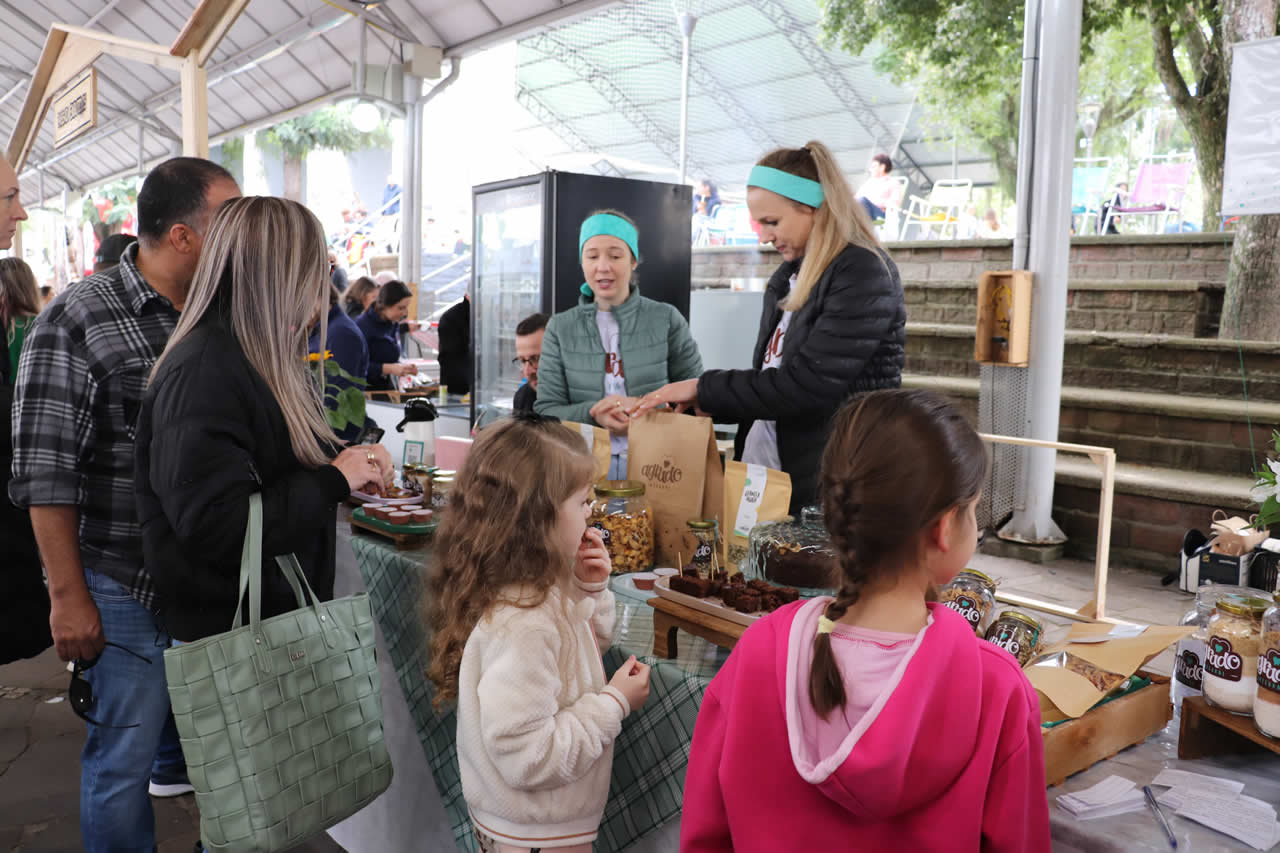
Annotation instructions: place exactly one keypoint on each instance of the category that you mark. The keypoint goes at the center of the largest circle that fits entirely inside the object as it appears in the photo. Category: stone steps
(1169, 307)
(1168, 364)
(1155, 504)
(1186, 433)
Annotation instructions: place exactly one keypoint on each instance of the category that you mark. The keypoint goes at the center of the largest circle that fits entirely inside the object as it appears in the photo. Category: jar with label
(1188, 661)
(1266, 704)
(1231, 659)
(440, 489)
(972, 594)
(706, 555)
(621, 513)
(793, 553)
(1016, 633)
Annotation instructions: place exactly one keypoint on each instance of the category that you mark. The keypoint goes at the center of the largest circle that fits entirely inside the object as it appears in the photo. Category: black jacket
(210, 434)
(524, 399)
(849, 338)
(455, 348)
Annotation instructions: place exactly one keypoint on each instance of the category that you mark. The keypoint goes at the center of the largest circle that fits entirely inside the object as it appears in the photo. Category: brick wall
(1170, 285)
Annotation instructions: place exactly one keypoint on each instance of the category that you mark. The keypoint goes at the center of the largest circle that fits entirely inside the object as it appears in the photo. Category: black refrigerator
(525, 260)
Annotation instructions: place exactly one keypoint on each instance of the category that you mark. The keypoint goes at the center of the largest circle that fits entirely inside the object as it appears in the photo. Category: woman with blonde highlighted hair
(833, 325)
(231, 410)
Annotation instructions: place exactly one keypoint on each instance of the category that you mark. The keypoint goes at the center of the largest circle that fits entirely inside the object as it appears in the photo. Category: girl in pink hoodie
(875, 720)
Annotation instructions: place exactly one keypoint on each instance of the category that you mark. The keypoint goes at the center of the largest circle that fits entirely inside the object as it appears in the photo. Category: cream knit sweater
(536, 720)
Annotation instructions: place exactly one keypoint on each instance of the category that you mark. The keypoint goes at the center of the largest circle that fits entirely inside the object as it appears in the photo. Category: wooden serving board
(1207, 730)
(711, 606)
(405, 536)
(670, 615)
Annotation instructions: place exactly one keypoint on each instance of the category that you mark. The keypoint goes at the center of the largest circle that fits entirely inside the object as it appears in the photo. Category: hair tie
(825, 625)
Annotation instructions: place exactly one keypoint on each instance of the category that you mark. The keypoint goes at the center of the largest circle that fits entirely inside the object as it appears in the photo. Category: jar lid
(702, 524)
(1019, 616)
(1211, 593)
(1238, 605)
(440, 473)
(619, 489)
(442, 481)
(979, 576)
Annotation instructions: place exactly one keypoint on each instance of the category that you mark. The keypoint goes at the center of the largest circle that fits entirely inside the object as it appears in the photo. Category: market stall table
(651, 753)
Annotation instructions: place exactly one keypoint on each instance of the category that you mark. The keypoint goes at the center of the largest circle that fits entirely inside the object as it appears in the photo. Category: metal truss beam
(822, 65)
(551, 119)
(662, 33)
(599, 79)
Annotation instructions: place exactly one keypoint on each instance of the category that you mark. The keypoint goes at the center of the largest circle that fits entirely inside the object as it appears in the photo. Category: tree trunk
(1251, 308)
(292, 177)
(1206, 123)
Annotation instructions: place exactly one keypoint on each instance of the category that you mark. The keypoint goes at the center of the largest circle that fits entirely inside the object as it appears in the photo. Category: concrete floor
(40, 737)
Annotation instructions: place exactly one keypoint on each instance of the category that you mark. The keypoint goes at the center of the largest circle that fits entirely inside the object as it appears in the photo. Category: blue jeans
(872, 210)
(618, 466)
(116, 764)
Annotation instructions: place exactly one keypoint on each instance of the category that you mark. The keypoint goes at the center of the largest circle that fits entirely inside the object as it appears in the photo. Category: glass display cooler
(525, 260)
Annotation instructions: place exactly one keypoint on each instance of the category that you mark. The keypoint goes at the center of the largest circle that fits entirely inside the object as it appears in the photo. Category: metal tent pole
(687, 21)
(1042, 244)
(411, 184)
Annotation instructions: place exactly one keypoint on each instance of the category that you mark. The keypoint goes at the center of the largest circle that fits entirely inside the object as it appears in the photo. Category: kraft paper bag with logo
(597, 440)
(676, 458)
(752, 494)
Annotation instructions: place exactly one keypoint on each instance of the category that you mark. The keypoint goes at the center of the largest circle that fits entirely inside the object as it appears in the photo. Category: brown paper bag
(752, 494)
(597, 440)
(1075, 676)
(1236, 536)
(676, 458)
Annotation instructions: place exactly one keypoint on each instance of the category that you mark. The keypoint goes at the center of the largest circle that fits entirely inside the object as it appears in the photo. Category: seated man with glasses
(529, 334)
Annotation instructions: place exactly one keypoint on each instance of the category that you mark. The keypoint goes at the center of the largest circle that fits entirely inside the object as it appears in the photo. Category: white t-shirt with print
(615, 381)
(761, 446)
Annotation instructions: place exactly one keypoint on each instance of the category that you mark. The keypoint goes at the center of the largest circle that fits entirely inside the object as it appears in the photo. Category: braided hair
(896, 462)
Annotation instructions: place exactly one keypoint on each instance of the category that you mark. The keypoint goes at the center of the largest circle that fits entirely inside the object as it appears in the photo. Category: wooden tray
(670, 615)
(711, 606)
(1207, 730)
(404, 535)
(1103, 731)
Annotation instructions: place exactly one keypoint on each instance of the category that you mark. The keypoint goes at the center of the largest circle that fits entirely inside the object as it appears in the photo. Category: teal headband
(608, 225)
(786, 185)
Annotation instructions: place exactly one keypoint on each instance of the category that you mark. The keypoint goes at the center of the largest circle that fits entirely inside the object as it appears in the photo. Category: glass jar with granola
(1231, 659)
(621, 513)
(972, 594)
(1266, 704)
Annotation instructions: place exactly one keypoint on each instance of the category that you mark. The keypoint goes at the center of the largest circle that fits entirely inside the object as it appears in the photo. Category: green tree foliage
(328, 128)
(964, 59)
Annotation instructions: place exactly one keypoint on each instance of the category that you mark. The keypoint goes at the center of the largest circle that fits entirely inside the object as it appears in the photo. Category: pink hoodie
(949, 759)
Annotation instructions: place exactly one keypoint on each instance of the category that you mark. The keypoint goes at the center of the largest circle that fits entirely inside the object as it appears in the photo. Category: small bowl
(644, 580)
(422, 516)
(399, 518)
(666, 573)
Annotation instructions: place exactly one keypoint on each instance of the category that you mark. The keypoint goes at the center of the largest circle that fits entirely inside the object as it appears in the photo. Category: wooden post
(195, 109)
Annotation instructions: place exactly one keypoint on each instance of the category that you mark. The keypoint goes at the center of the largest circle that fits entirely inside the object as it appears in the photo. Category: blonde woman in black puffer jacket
(833, 324)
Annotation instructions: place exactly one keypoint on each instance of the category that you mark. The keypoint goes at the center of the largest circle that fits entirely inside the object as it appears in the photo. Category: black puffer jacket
(849, 338)
(209, 435)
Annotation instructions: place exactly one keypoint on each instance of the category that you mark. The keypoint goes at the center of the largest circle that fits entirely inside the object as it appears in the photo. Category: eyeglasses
(531, 361)
(81, 691)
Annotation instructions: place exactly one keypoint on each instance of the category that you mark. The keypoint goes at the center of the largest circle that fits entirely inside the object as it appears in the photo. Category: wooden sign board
(75, 108)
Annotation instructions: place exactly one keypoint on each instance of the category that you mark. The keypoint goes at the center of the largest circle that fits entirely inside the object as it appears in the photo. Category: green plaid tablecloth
(651, 753)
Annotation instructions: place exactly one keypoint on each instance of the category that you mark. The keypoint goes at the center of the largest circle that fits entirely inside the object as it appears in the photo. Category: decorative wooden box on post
(1004, 318)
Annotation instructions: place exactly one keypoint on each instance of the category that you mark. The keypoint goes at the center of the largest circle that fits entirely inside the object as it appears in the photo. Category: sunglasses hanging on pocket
(81, 691)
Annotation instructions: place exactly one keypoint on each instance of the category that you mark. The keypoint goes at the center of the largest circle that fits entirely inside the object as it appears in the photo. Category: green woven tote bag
(280, 719)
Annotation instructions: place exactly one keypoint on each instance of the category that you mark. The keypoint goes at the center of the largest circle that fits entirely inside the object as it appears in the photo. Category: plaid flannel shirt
(80, 385)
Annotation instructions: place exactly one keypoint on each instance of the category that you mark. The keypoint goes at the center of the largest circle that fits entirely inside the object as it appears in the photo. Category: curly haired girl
(519, 608)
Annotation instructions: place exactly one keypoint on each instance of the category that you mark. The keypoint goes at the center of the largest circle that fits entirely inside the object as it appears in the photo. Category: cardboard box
(1103, 731)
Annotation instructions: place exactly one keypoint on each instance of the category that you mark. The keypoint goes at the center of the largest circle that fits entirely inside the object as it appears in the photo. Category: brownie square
(729, 594)
(770, 602)
(788, 594)
(695, 586)
(759, 585)
(748, 601)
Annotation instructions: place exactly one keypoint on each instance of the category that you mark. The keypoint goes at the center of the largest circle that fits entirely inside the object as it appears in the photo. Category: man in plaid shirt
(81, 379)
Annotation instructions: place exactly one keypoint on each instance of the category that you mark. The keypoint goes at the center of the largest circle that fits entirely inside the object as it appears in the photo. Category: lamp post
(687, 19)
(1088, 113)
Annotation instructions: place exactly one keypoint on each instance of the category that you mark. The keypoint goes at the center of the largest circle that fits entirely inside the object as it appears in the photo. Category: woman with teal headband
(599, 358)
(833, 324)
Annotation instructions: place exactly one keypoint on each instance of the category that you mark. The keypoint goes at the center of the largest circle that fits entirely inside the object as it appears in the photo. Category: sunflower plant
(343, 406)
(1266, 491)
